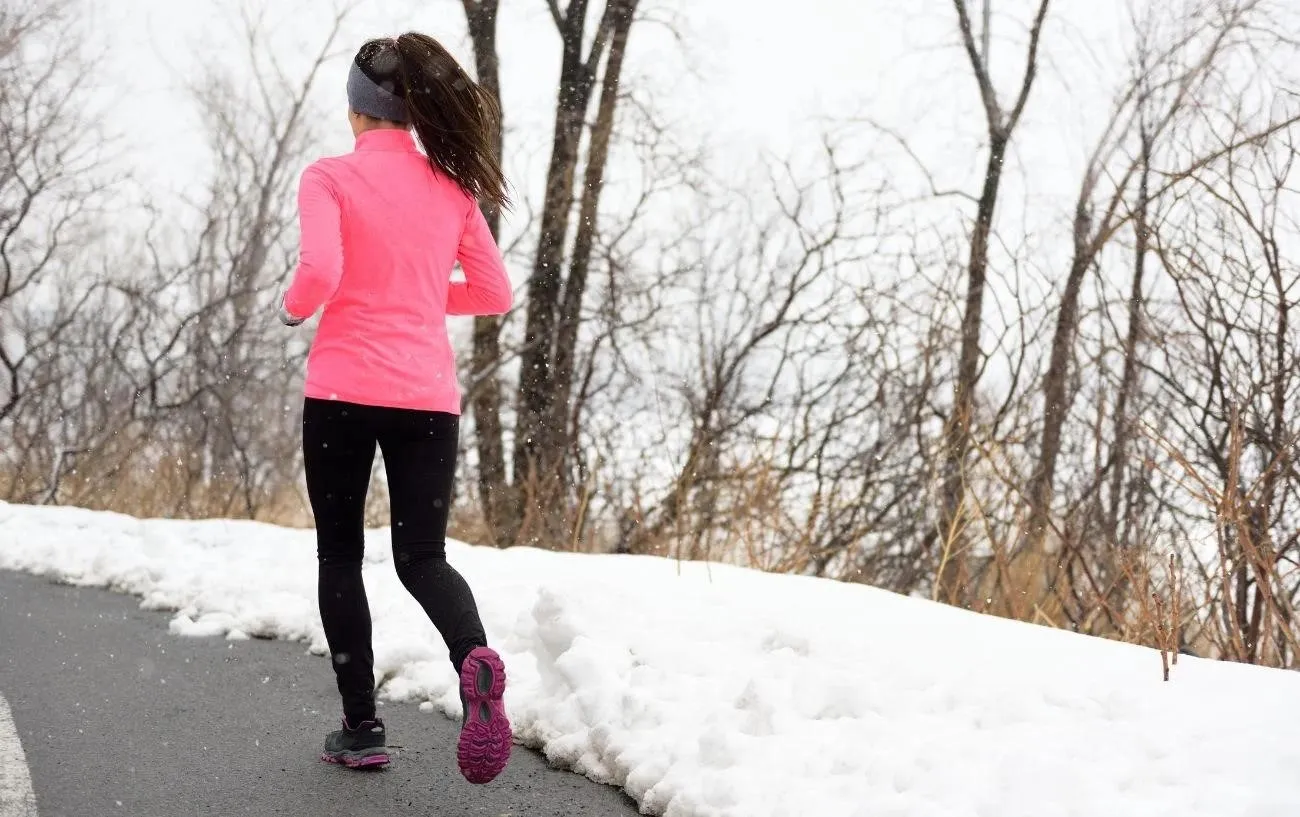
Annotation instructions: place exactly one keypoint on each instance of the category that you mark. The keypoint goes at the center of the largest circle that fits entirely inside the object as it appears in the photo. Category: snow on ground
(710, 690)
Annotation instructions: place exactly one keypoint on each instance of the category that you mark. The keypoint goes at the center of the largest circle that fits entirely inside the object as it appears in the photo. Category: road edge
(17, 799)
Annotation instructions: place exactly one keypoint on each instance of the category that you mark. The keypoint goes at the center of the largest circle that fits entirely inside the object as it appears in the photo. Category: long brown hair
(454, 118)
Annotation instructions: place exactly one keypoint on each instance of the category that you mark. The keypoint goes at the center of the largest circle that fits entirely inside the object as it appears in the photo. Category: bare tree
(554, 300)
(1169, 77)
(539, 447)
(1229, 366)
(766, 351)
(570, 312)
(49, 185)
(51, 201)
(1001, 125)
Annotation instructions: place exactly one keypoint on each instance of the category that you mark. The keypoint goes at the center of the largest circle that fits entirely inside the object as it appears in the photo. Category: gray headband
(364, 96)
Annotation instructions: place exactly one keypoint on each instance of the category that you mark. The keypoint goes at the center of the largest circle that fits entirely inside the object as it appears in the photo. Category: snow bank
(711, 691)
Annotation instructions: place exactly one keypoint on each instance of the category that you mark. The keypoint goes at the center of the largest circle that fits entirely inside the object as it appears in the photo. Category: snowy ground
(717, 691)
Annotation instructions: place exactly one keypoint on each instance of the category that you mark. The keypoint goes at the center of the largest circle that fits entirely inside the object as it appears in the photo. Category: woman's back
(382, 228)
(381, 232)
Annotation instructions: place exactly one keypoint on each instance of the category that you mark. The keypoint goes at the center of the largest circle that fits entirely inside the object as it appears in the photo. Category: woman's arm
(486, 288)
(320, 254)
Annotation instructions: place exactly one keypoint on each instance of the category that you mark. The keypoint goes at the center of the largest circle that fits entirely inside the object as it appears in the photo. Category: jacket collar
(386, 139)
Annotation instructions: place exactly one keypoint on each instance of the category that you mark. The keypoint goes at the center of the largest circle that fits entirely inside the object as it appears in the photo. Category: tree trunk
(570, 315)
(481, 19)
(536, 479)
(953, 571)
(1128, 380)
(499, 512)
(951, 581)
(1056, 406)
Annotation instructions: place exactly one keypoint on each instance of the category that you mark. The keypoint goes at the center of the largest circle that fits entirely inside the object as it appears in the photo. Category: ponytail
(455, 119)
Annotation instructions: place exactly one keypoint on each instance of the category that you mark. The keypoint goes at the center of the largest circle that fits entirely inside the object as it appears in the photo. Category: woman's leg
(338, 451)
(420, 459)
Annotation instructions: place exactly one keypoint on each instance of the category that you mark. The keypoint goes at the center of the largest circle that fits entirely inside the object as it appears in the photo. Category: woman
(381, 229)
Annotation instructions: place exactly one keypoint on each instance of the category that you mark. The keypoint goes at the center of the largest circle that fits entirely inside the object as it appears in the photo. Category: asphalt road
(118, 717)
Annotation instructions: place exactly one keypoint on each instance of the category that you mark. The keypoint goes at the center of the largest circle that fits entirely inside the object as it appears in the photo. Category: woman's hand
(286, 318)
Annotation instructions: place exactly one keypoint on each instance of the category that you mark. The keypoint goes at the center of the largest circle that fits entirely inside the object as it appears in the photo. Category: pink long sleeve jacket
(381, 232)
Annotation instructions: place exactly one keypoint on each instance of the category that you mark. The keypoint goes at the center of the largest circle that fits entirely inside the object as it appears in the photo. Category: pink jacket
(380, 234)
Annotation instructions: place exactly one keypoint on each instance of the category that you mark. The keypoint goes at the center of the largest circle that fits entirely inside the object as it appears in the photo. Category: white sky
(748, 75)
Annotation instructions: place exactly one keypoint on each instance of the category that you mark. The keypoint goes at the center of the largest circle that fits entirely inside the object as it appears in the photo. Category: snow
(707, 690)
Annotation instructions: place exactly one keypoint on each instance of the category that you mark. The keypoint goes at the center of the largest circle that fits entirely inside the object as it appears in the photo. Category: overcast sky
(747, 74)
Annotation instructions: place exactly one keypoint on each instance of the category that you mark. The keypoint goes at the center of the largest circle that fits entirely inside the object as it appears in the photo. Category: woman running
(382, 228)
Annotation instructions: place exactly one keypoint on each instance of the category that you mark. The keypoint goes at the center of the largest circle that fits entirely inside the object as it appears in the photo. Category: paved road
(118, 717)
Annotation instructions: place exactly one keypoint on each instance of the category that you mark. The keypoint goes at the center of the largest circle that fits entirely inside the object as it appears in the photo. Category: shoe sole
(485, 739)
(365, 759)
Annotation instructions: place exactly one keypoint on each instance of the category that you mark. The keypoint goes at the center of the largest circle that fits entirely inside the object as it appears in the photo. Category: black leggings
(419, 450)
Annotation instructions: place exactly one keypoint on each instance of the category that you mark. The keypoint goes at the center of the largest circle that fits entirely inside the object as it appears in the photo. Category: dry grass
(165, 490)
(1139, 595)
